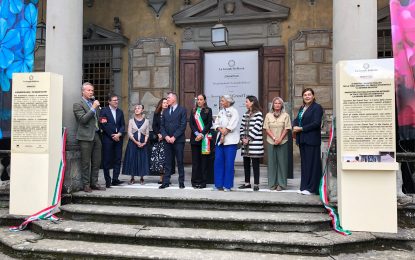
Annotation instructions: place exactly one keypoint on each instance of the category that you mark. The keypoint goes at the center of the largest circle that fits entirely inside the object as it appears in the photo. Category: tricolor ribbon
(47, 213)
(200, 126)
(335, 221)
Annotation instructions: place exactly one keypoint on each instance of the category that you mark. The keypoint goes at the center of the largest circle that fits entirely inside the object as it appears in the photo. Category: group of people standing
(221, 135)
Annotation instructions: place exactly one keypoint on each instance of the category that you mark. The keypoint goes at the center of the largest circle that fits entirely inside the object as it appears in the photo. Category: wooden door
(190, 86)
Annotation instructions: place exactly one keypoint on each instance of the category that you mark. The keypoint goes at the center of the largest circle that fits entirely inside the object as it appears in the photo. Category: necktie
(171, 110)
(95, 115)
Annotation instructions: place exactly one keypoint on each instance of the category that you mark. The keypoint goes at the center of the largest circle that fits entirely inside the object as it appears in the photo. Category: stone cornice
(210, 11)
(97, 35)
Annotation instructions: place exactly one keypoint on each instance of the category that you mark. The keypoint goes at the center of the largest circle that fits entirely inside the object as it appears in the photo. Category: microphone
(92, 99)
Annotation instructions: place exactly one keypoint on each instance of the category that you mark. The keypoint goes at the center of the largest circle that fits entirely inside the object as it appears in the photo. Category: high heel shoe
(131, 182)
(141, 181)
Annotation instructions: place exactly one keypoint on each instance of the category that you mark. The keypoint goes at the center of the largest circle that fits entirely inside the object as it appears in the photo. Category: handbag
(153, 137)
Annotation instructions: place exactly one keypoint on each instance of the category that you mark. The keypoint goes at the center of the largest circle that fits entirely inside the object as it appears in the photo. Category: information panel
(367, 111)
(36, 141)
(30, 106)
(366, 161)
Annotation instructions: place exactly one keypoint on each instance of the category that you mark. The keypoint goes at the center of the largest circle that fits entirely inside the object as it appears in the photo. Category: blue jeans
(224, 165)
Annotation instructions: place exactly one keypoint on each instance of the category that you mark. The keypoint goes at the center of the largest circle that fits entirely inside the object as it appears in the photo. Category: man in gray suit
(86, 112)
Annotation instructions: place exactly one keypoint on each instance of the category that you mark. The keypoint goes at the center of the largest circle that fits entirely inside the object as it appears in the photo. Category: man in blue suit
(172, 127)
(113, 126)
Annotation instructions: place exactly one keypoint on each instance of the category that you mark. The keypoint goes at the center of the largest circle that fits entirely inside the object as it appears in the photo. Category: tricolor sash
(200, 126)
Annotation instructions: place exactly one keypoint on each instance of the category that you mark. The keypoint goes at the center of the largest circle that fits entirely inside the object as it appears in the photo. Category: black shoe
(244, 186)
(160, 182)
(163, 186)
(108, 185)
(256, 188)
(117, 182)
(181, 186)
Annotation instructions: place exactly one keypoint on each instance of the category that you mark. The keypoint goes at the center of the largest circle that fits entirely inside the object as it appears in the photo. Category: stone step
(201, 199)
(313, 243)
(31, 245)
(212, 219)
(7, 219)
(406, 216)
(4, 199)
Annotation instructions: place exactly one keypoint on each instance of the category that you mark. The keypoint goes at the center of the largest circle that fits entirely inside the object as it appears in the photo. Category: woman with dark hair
(252, 141)
(277, 123)
(136, 154)
(158, 158)
(200, 122)
(307, 127)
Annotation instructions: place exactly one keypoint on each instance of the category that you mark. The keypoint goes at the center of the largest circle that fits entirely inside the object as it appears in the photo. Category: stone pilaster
(64, 56)
(354, 38)
(354, 31)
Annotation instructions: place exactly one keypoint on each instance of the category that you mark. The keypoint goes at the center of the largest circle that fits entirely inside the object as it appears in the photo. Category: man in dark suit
(173, 126)
(113, 126)
(86, 112)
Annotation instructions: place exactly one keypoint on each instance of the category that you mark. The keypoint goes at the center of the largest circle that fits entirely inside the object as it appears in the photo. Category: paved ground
(151, 181)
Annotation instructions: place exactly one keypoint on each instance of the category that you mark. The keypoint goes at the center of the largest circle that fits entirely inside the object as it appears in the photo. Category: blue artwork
(18, 20)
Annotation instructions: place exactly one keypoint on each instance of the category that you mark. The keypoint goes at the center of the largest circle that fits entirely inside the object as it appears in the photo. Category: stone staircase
(147, 223)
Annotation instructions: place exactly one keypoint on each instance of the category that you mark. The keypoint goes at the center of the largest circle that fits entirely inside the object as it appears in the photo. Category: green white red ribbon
(335, 221)
(200, 126)
(47, 213)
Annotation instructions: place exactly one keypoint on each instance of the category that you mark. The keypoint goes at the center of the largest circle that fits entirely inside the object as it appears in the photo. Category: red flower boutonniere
(103, 120)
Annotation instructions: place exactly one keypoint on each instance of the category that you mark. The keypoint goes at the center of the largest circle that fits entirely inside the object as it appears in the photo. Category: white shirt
(174, 108)
(114, 113)
(228, 118)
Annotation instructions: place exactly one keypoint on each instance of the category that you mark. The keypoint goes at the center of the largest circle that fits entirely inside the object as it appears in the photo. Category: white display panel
(230, 72)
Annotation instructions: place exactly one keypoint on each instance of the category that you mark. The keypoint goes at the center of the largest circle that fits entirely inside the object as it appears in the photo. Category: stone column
(354, 38)
(64, 23)
(354, 32)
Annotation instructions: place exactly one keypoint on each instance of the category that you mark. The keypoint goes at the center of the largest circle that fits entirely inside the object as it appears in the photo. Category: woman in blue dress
(136, 155)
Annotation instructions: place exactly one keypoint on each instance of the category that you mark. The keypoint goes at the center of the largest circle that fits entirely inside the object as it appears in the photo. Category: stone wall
(152, 72)
(311, 67)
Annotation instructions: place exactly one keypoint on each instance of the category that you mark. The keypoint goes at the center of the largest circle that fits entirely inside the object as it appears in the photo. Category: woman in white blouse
(226, 124)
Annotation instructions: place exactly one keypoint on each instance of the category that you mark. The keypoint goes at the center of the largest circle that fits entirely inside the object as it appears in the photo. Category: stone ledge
(217, 219)
(271, 242)
(203, 195)
(28, 244)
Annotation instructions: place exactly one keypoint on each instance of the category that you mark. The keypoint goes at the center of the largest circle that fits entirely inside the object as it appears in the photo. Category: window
(384, 43)
(97, 69)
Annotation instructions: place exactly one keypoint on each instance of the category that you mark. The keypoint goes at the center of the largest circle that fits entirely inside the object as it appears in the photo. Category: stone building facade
(143, 49)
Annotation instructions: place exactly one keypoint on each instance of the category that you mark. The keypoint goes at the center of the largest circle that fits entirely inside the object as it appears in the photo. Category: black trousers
(247, 169)
(200, 166)
(111, 158)
(174, 151)
(310, 167)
